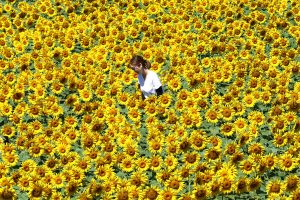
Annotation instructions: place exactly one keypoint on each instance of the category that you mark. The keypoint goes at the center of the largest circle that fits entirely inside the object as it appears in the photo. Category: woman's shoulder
(152, 72)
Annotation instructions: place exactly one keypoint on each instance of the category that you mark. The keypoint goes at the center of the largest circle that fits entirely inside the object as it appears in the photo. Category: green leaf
(24, 155)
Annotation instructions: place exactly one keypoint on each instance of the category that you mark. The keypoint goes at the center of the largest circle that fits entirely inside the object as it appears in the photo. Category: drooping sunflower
(291, 182)
(151, 192)
(254, 183)
(191, 159)
(213, 154)
(8, 193)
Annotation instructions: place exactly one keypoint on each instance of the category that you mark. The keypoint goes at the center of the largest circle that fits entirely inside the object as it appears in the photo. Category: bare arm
(159, 91)
(143, 97)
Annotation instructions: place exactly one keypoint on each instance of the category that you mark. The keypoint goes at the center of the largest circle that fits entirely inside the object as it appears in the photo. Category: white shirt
(150, 84)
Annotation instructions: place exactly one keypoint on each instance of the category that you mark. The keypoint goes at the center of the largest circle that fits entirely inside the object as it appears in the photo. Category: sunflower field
(73, 124)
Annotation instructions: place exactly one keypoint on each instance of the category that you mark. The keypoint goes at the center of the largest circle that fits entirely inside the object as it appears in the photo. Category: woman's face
(137, 68)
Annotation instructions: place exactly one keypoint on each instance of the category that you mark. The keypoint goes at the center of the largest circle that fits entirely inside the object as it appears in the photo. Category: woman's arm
(159, 91)
(143, 97)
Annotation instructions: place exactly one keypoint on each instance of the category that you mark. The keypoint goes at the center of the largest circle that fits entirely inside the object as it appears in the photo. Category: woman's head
(138, 64)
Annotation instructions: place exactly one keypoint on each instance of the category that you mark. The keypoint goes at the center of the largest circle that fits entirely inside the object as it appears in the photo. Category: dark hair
(137, 59)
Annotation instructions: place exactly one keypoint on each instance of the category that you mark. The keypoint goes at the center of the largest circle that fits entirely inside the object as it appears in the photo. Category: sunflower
(174, 84)
(165, 100)
(249, 100)
(274, 187)
(270, 160)
(191, 103)
(214, 188)
(142, 164)
(256, 148)
(291, 182)
(72, 187)
(257, 118)
(191, 159)
(35, 150)
(201, 192)
(247, 166)
(155, 146)
(179, 105)
(131, 148)
(151, 193)
(241, 185)
(8, 130)
(58, 181)
(231, 148)
(175, 183)
(134, 114)
(62, 147)
(240, 124)
(156, 163)
(212, 116)
(6, 109)
(227, 113)
(226, 170)
(254, 183)
(103, 172)
(213, 154)
(287, 162)
(150, 109)
(266, 97)
(215, 141)
(198, 141)
(25, 183)
(57, 87)
(290, 117)
(227, 185)
(186, 120)
(85, 94)
(168, 193)
(128, 164)
(138, 179)
(28, 166)
(227, 129)
(8, 193)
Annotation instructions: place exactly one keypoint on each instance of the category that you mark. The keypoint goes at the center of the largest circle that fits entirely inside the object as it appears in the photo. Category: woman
(149, 83)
